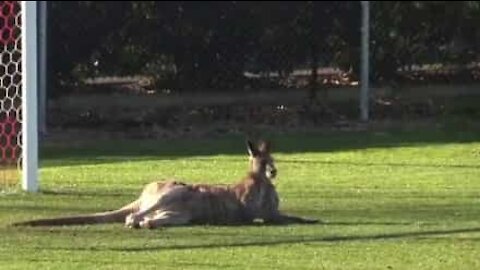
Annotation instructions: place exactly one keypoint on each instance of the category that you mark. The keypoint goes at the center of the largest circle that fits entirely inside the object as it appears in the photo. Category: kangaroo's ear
(252, 150)
(265, 147)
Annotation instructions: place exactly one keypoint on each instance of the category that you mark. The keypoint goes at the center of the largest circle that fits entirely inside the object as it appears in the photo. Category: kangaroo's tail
(115, 216)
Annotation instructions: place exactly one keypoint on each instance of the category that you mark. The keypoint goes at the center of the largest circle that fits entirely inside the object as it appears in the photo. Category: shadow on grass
(374, 237)
(290, 240)
(85, 193)
(386, 164)
(368, 223)
(112, 151)
(98, 161)
(59, 210)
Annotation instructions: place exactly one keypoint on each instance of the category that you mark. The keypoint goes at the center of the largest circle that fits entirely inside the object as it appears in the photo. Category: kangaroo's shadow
(95, 193)
(325, 239)
(286, 240)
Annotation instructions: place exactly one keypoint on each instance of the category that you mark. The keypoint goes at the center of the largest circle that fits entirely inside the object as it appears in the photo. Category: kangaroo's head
(261, 162)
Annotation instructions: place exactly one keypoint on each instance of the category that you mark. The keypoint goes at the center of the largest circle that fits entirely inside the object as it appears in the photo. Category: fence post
(364, 81)
(42, 68)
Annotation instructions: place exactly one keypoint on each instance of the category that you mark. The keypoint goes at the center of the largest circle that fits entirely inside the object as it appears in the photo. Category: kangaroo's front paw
(147, 224)
(132, 222)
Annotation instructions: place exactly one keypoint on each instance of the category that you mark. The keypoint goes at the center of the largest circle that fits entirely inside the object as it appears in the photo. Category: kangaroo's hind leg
(133, 220)
(166, 218)
(155, 202)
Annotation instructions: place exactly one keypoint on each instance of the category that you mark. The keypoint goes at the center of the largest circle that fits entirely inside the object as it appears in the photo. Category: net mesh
(10, 93)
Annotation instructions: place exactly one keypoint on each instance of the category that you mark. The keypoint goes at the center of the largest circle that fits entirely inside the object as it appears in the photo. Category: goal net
(18, 69)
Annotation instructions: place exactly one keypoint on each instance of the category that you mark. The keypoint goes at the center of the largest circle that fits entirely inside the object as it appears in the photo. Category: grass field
(396, 199)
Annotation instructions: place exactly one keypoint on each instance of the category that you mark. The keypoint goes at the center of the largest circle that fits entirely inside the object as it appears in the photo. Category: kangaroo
(170, 203)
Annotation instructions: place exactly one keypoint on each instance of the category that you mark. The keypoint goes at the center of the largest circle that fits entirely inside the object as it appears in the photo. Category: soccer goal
(18, 95)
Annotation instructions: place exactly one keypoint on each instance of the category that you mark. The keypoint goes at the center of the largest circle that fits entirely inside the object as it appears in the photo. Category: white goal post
(29, 39)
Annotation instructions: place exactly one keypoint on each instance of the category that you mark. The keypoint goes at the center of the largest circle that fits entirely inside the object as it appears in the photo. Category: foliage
(208, 45)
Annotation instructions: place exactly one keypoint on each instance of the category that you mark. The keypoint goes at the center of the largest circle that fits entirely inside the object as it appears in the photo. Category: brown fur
(175, 203)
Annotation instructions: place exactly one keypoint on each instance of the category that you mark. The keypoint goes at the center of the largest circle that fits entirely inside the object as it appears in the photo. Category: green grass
(390, 200)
